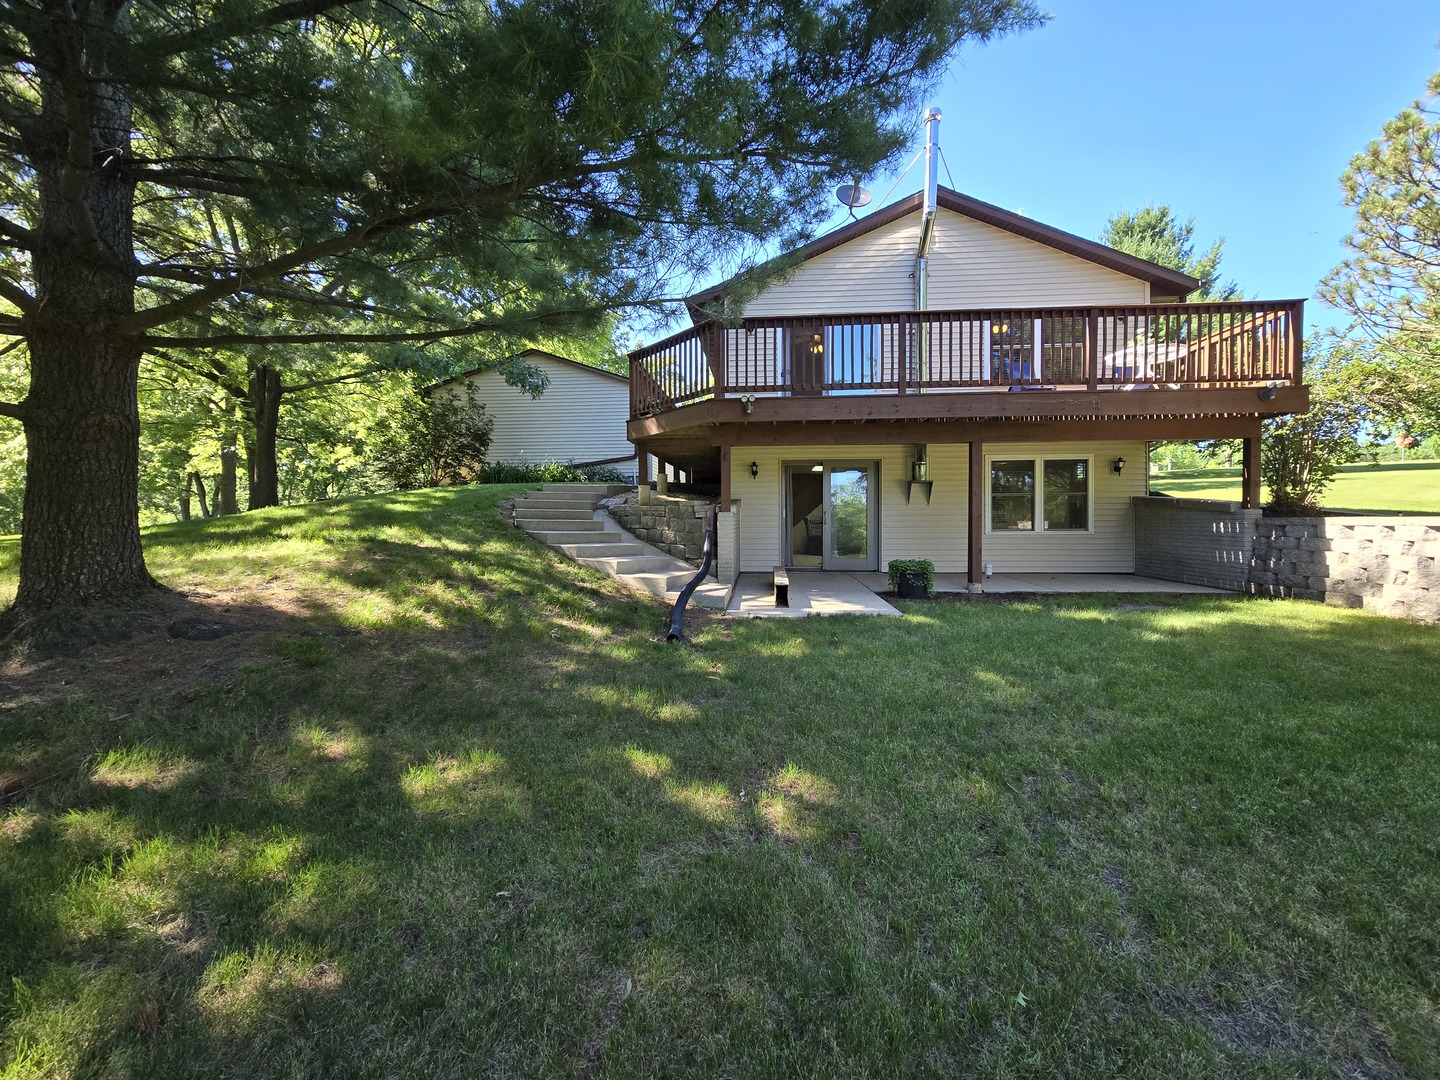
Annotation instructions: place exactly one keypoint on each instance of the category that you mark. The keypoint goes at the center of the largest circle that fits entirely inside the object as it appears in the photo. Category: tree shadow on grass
(517, 833)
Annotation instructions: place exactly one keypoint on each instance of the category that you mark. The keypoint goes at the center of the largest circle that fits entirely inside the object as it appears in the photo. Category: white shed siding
(972, 265)
(580, 417)
(938, 530)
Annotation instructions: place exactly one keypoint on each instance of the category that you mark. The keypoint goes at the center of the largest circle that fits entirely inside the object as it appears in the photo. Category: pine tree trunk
(81, 538)
(265, 394)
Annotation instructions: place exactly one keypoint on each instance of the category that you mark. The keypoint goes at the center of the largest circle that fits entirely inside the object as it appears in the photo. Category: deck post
(642, 472)
(975, 535)
(715, 355)
(1091, 358)
(724, 477)
(1250, 470)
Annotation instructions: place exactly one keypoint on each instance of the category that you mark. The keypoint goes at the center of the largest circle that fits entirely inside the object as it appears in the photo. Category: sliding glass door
(830, 516)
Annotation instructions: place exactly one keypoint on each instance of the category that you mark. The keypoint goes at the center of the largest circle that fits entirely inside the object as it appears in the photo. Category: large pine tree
(237, 173)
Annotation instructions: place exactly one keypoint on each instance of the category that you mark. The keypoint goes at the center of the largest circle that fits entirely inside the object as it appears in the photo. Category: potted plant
(913, 579)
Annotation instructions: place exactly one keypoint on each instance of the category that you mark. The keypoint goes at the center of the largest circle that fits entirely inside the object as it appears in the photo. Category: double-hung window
(1039, 494)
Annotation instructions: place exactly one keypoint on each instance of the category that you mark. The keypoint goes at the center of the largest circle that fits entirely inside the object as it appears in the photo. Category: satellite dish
(852, 196)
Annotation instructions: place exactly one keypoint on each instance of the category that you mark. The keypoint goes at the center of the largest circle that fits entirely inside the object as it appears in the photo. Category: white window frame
(1037, 461)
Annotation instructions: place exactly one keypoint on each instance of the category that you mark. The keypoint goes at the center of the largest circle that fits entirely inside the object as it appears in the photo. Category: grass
(449, 807)
(1411, 487)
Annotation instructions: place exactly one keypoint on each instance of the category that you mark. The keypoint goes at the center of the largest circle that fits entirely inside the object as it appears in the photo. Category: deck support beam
(724, 478)
(1250, 469)
(974, 566)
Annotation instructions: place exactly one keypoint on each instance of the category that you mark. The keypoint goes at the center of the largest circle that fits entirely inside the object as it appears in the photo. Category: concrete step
(601, 490)
(580, 524)
(600, 551)
(709, 594)
(556, 502)
(626, 565)
(556, 539)
(546, 514)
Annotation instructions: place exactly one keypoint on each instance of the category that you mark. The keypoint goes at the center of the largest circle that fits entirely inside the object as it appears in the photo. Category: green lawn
(1409, 488)
(451, 808)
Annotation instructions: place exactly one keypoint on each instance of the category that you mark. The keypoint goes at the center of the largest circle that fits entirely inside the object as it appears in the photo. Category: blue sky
(1240, 115)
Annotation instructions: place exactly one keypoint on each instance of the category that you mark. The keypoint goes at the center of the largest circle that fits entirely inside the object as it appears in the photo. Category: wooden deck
(1035, 363)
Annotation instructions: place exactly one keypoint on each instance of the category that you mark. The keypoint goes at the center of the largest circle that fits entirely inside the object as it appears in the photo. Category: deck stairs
(568, 518)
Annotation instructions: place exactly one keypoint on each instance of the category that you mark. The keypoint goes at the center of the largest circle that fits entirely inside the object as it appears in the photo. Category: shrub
(548, 472)
(1301, 454)
(429, 441)
(899, 568)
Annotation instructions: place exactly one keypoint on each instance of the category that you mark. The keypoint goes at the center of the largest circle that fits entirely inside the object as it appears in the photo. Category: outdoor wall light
(1117, 466)
(754, 470)
(1268, 393)
(747, 403)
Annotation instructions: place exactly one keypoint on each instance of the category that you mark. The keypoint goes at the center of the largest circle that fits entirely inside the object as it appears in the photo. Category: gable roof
(530, 352)
(1168, 282)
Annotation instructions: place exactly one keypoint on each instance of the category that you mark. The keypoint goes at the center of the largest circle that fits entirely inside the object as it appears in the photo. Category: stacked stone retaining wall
(671, 523)
(1383, 564)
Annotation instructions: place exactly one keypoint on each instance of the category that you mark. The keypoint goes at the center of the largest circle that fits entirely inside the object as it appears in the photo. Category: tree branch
(17, 296)
(18, 235)
(213, 35)
(14, 412)
(244, 276)
(227, 341)
(359, 373)
(216, 373)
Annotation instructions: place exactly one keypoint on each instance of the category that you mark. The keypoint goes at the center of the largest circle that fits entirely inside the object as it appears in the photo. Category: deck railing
(1195, 345)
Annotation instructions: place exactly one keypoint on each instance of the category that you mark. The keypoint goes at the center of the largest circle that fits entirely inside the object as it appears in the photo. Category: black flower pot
(912, 586)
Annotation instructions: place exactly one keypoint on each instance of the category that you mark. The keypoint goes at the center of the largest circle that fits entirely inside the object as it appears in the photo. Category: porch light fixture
(1117, 465)
(1267, 393)
(747, 403)
(754, 470)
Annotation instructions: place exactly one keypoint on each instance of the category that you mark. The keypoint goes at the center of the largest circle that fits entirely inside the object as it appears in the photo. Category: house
(579, 419)
(945, 379)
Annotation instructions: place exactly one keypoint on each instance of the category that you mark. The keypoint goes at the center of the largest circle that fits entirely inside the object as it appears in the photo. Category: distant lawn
(448, 807)
(1409, 488)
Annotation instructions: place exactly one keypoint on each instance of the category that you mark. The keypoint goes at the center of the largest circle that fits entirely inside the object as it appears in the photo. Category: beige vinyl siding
(917, 530)
(580, 416)
(972, 265)
(937, 530)
(870, 273)
(1110, 547)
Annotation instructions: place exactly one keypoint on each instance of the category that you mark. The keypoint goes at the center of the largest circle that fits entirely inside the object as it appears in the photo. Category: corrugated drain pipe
(677, 614)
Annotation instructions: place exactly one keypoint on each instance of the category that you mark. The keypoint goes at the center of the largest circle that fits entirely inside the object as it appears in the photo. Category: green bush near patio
(447, 805)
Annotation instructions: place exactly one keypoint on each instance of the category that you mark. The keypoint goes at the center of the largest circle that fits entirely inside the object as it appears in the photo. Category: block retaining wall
(1198, 541)
(1382, 564)
(1389, 565)
(673, 524)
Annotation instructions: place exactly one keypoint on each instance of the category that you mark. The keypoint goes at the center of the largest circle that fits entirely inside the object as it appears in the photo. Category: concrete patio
(836, 593)
(1047, 583)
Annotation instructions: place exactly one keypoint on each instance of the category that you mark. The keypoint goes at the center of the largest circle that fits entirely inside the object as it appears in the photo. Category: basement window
(1032, 495)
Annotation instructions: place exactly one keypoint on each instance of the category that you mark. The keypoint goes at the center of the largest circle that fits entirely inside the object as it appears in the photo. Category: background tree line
(1375, 386)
